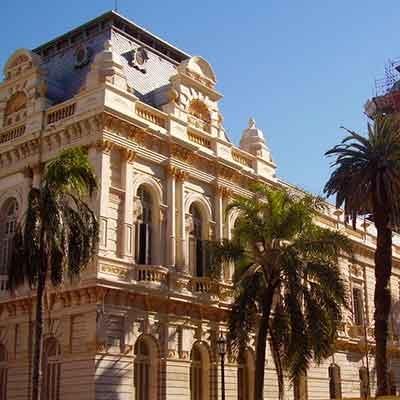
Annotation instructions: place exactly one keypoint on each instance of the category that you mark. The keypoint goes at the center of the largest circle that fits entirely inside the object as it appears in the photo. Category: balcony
(12, 134)
(151, 114)
(60, 112)
(151, 274)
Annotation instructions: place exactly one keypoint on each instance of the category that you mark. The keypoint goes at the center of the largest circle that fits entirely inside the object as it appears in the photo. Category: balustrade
(151, 273)
(12, 134)
(62, 112)
(150, 115)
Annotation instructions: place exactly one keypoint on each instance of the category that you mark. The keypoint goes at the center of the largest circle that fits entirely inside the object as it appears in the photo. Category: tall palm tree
(287, 281)
(366, 180)
(56, 238)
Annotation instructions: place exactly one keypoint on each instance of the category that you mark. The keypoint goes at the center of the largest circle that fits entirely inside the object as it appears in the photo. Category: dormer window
(199, 115)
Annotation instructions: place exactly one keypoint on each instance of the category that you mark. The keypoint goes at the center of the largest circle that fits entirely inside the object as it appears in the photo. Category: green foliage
(278, 248)
(58, 225)
(367, 171)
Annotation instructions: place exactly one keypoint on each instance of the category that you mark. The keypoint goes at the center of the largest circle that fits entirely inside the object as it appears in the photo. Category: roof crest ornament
(252, 123)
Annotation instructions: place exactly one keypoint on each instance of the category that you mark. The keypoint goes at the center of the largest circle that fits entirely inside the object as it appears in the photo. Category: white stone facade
(143, 322)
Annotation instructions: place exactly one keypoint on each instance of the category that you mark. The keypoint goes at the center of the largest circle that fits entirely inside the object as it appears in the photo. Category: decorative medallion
(82, 56)
(137, 58)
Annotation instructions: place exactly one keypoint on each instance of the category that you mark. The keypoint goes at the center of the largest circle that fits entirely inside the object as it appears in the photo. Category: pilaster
(105, 147)
(127, 229)
(181, 246)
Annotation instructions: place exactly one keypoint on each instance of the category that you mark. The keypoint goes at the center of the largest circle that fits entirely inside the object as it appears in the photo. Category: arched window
(51, 369)
(199, 374)
(199, 115)
(3, 372)
(197, 246)
(145, 227)
(9, 214)
(145, 370)
(15, 109)
(245, 376)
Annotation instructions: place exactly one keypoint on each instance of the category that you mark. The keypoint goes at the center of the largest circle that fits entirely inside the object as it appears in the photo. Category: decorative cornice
(104, 145)
(128, 154)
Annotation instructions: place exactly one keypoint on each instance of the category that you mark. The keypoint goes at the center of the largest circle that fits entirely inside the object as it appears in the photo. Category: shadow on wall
(112, 371)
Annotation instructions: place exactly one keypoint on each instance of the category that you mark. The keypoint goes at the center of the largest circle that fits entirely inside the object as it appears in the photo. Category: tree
(366, 180)
(56, 238)
(287, 281)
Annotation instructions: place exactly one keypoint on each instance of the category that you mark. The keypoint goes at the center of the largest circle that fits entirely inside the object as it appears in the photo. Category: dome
(253, 141)
(251, 135)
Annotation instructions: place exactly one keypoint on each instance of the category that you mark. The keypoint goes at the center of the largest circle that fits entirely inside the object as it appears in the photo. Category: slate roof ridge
(109, 17)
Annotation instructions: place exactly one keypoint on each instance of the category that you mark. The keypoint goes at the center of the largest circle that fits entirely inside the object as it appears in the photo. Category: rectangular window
(358, 306)
(115, 331)
(103, 233)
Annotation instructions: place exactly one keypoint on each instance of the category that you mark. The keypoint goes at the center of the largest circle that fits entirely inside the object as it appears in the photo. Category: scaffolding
(387, 91)
(384, 85)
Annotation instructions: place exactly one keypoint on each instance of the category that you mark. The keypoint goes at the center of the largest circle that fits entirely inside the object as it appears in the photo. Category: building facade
(143, 322)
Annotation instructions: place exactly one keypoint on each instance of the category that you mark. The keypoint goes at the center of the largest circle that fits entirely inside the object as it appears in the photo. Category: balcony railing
(60, 113)
(199, 140)
(12, 134)
(151, 274)
(241, 159)
(150, 114)
(202, 285)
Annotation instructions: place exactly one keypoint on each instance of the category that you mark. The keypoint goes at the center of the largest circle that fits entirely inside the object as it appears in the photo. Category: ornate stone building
(143, 322)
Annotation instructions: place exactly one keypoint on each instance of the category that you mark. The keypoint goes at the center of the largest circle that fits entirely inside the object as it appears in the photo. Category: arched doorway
(145, 228)
(145, 369)
(199, 373)
(51, 369)
(197, 244)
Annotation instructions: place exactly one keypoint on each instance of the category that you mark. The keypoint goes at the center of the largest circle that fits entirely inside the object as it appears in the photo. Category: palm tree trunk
(38, 349)
(261, 345)
(382, 301)
(37, 353)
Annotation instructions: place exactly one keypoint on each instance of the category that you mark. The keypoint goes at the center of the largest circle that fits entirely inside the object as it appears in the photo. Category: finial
(252, 123)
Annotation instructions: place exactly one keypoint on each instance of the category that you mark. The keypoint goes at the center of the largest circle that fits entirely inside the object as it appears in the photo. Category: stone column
(104, 186)
(127, 243)
(182, 261)
(219, 217)
(171, 220)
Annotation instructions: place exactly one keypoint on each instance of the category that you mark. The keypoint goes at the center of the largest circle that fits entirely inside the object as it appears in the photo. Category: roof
(114, 19)
(65, 79)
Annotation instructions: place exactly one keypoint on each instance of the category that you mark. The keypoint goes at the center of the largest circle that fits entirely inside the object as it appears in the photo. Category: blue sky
(300, 68)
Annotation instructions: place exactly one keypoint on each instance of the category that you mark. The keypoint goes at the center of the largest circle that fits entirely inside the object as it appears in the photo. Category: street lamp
(221, 345)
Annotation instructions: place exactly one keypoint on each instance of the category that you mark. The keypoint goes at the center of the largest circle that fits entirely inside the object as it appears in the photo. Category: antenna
(116, 5)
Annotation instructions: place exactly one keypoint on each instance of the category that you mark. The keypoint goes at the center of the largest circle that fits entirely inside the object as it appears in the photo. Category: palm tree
(366, 180)
(287, 281)
(56, 238)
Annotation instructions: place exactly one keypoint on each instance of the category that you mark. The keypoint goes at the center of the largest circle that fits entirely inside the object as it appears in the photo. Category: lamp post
(221, 344)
